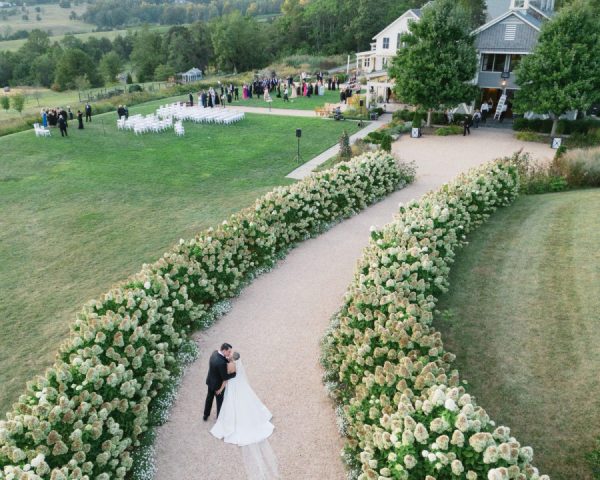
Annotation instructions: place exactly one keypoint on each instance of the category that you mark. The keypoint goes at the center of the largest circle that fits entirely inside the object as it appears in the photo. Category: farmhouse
(511, 32)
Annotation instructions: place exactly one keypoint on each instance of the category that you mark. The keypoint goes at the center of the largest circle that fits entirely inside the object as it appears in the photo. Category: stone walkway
(307, 168)
(279, 320)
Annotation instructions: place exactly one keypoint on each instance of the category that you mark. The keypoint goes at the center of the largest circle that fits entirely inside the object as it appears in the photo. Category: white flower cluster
(85, 416)
(405, 412)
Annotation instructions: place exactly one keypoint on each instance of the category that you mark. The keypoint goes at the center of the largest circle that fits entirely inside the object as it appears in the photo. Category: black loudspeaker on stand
(298, 135)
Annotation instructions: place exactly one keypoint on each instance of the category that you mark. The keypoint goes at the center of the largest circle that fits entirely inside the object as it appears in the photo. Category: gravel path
(279, 320)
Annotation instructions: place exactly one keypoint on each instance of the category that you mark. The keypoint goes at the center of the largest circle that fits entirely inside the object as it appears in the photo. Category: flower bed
(83, 419)
(401, 405)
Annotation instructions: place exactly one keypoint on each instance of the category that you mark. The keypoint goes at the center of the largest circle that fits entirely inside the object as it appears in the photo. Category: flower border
(401, 406)
(85, 416)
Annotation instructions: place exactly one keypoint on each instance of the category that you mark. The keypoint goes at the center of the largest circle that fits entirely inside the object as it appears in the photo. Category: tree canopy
(438, 63)
(563, 73)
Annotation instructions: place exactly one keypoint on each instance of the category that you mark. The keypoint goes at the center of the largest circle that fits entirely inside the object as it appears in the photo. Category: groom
(217, 374)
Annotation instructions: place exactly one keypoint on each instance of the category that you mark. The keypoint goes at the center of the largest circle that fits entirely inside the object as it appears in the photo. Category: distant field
(54, 19)
(13, 45)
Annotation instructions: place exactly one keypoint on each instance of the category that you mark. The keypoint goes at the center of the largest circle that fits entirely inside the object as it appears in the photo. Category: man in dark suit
(88, 112)
(62, 125)
(217, 375)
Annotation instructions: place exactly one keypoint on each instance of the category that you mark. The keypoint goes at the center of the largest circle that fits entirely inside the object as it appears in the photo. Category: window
(386, 42)
(491, 62)
(367, 62)
(515, 60)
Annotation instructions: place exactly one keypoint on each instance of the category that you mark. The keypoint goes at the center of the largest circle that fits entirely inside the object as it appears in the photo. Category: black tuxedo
(217, 374)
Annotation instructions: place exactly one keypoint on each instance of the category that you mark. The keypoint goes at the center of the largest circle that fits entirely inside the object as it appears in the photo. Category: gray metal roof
(527, 16)
(493, 38)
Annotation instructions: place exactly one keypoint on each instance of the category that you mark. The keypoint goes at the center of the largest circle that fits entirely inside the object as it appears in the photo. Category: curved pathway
(278, 321)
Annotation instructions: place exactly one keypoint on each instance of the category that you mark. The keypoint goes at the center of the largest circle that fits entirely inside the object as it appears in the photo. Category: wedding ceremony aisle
(278, 321)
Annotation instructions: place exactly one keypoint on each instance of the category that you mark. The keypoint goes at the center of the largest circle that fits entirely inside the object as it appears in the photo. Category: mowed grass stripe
(522, 316)
(81, 213)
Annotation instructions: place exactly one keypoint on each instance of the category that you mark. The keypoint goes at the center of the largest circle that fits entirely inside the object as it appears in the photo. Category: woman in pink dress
(304, 89)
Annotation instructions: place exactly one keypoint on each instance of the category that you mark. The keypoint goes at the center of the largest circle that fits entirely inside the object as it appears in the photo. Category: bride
(243, 419)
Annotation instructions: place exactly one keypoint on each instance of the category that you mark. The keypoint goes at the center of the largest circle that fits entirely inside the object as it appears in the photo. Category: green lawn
(299, 103)
(523, 317)
(81, 213)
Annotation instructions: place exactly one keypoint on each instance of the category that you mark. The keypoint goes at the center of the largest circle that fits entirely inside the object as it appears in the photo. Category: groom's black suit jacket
(217, 371)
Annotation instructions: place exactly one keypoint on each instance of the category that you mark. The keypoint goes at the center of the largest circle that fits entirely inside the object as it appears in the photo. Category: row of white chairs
(41, 131)
(162, 119)
(200, 115)
(143, 124)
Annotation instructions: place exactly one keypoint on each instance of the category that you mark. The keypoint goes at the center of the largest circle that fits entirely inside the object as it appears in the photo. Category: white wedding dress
(243, 419)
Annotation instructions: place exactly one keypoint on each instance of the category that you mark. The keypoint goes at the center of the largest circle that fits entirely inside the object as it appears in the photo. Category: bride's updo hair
(236, 355)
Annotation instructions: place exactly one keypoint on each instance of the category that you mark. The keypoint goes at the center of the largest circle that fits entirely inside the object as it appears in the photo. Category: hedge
(565, 127)
(402, 407)
(84, 417)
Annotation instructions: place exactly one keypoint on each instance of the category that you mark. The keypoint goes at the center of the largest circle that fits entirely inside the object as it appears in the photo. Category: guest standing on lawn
(88, 112)
(62, 125)
(80, 119)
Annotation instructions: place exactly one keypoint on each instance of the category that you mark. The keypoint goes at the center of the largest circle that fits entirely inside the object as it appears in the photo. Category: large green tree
(240, 43)
(477, 11)
(110, 66)
(75, 63)
(147, 53)
(563, 73)
(438, 64)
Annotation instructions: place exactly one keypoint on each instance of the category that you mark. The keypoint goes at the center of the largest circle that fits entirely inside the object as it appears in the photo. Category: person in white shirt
(485, 109)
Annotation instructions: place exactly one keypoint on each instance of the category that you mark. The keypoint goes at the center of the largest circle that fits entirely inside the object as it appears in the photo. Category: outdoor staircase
(499, 107)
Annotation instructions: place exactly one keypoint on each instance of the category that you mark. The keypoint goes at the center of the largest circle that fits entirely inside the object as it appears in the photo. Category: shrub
(386, 143)
(565, 127)
(417, 120)
(85, 416)
(449, 130)
(580, 168)
(135, 88)
(406, 115)
(582, 140)
(345, 150)
(528, 136)
(403, 408)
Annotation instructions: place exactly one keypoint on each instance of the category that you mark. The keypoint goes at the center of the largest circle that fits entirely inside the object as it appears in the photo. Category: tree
(163, 72)
(72, 64)
(563, 73)
(82, 82)
(240, 43)
(5, 102)
(18, 102)
(146, 54)
(477, 12)
(439, 62)
(345, 148)
(110, 66)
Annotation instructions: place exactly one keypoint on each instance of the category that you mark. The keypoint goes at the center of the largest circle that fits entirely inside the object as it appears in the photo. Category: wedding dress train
(243, 419)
